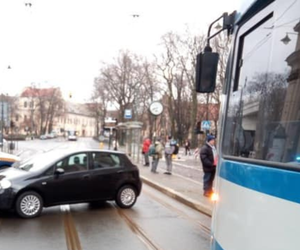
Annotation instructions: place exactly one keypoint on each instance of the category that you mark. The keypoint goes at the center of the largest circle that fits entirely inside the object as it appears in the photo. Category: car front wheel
(29, 205)
(126, 196)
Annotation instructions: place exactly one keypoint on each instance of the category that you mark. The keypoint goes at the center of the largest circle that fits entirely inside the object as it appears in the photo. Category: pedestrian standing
(187, 147)
(115, 144)
(208, 156)
(145, 151)
(169, 150)
(157, 155)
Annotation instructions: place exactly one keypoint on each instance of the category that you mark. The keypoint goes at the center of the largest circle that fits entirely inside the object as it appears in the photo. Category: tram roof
(249, 8)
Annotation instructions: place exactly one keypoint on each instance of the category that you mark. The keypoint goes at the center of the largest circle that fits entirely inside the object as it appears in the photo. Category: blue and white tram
(258, 176)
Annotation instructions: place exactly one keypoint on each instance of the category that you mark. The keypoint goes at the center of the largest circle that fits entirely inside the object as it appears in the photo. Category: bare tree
(149, 91)
(49, 103)
(123, 81)
(100, 101)
(191, 46)
(167, 66)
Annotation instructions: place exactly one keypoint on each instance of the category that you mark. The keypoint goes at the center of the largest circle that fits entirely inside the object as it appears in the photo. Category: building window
(25, 104)
(17, 118)
(25, 118)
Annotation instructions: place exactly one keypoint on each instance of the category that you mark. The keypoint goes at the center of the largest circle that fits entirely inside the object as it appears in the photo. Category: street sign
(127, 114)
(205, 125)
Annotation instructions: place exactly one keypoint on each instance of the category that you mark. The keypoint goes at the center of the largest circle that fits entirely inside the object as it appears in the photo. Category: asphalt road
(155, 222)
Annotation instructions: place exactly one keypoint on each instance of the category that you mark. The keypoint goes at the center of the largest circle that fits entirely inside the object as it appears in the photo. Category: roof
(36, 92)
(78, 108)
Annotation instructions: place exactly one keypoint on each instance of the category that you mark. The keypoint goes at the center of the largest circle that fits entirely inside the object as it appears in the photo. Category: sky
(63, 43)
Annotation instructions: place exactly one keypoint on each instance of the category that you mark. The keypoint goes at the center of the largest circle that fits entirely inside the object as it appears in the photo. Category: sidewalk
(180, 188)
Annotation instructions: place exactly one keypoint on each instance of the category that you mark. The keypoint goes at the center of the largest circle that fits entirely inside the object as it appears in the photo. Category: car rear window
(106, 160)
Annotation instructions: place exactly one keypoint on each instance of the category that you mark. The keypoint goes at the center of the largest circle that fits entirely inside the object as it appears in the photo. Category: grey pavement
(178, 187)
(183, 189)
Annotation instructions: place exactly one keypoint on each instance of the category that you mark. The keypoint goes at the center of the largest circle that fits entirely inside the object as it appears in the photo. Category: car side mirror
(206, 71)
(59, 171)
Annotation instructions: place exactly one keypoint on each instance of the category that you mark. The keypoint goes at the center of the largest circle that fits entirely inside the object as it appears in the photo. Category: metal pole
(2, 119)
(31, 123)
(154, 129)
(207, 109)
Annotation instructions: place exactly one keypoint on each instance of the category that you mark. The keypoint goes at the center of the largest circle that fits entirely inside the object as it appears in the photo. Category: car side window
(76, 162)
(105, 160)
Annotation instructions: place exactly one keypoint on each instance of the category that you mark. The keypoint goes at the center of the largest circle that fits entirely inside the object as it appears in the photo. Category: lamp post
(3, 118)
(2, 121)
(31, 118)
(156, 108)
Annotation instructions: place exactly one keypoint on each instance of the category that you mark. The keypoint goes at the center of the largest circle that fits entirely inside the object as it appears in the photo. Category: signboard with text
(127, 114)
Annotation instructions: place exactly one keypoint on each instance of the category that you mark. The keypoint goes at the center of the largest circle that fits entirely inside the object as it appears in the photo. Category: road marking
(72, 238)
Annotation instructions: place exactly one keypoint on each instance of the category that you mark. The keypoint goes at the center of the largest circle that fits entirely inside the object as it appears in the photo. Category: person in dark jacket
(208, 156)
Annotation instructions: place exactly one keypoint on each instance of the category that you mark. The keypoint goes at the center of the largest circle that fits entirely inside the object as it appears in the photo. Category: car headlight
(4, 184)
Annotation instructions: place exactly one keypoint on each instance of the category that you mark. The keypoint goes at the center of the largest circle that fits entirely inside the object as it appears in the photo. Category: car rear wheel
(29, 205)
(126, 196)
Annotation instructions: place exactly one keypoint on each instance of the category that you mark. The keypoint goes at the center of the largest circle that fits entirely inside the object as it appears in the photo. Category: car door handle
(87, 176)
(120, 171)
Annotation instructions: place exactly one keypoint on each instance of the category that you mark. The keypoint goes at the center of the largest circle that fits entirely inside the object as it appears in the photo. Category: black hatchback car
(66, 177)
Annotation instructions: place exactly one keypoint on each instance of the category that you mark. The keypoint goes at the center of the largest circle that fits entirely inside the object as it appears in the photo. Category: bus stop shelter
(129, 135)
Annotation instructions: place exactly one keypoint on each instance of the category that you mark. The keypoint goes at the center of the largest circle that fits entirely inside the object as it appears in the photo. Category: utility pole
(2, 121)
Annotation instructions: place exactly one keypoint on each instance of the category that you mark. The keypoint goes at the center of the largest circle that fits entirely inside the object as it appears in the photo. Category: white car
(72, 136)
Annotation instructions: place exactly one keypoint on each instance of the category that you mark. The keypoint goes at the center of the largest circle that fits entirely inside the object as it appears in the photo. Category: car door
(74, 185)
(107, 173)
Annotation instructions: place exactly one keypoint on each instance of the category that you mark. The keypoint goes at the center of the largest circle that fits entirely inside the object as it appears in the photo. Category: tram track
(204, 228)
(136, 229)
(72, 238)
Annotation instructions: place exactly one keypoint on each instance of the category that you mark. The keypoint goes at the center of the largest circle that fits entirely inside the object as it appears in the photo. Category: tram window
(263, 116)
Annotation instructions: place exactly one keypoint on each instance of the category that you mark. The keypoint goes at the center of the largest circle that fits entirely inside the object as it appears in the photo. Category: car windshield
(35, 163)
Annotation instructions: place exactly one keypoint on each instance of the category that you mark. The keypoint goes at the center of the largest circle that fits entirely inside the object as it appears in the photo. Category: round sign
(101, 138)
(156, 108)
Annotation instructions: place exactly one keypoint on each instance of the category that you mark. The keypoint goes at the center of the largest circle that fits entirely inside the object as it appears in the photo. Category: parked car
(43, 137)
(50, 136)
(72, 136)
(6, 160)
(66, 177)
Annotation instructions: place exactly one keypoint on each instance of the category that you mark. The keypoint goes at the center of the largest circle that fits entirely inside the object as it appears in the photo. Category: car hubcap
(30, 205)
(127, 196)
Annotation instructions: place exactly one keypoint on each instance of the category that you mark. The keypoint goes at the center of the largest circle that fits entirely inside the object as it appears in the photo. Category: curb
(179, 197)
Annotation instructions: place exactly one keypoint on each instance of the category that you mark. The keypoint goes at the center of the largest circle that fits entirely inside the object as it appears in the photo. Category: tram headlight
(214, 197)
